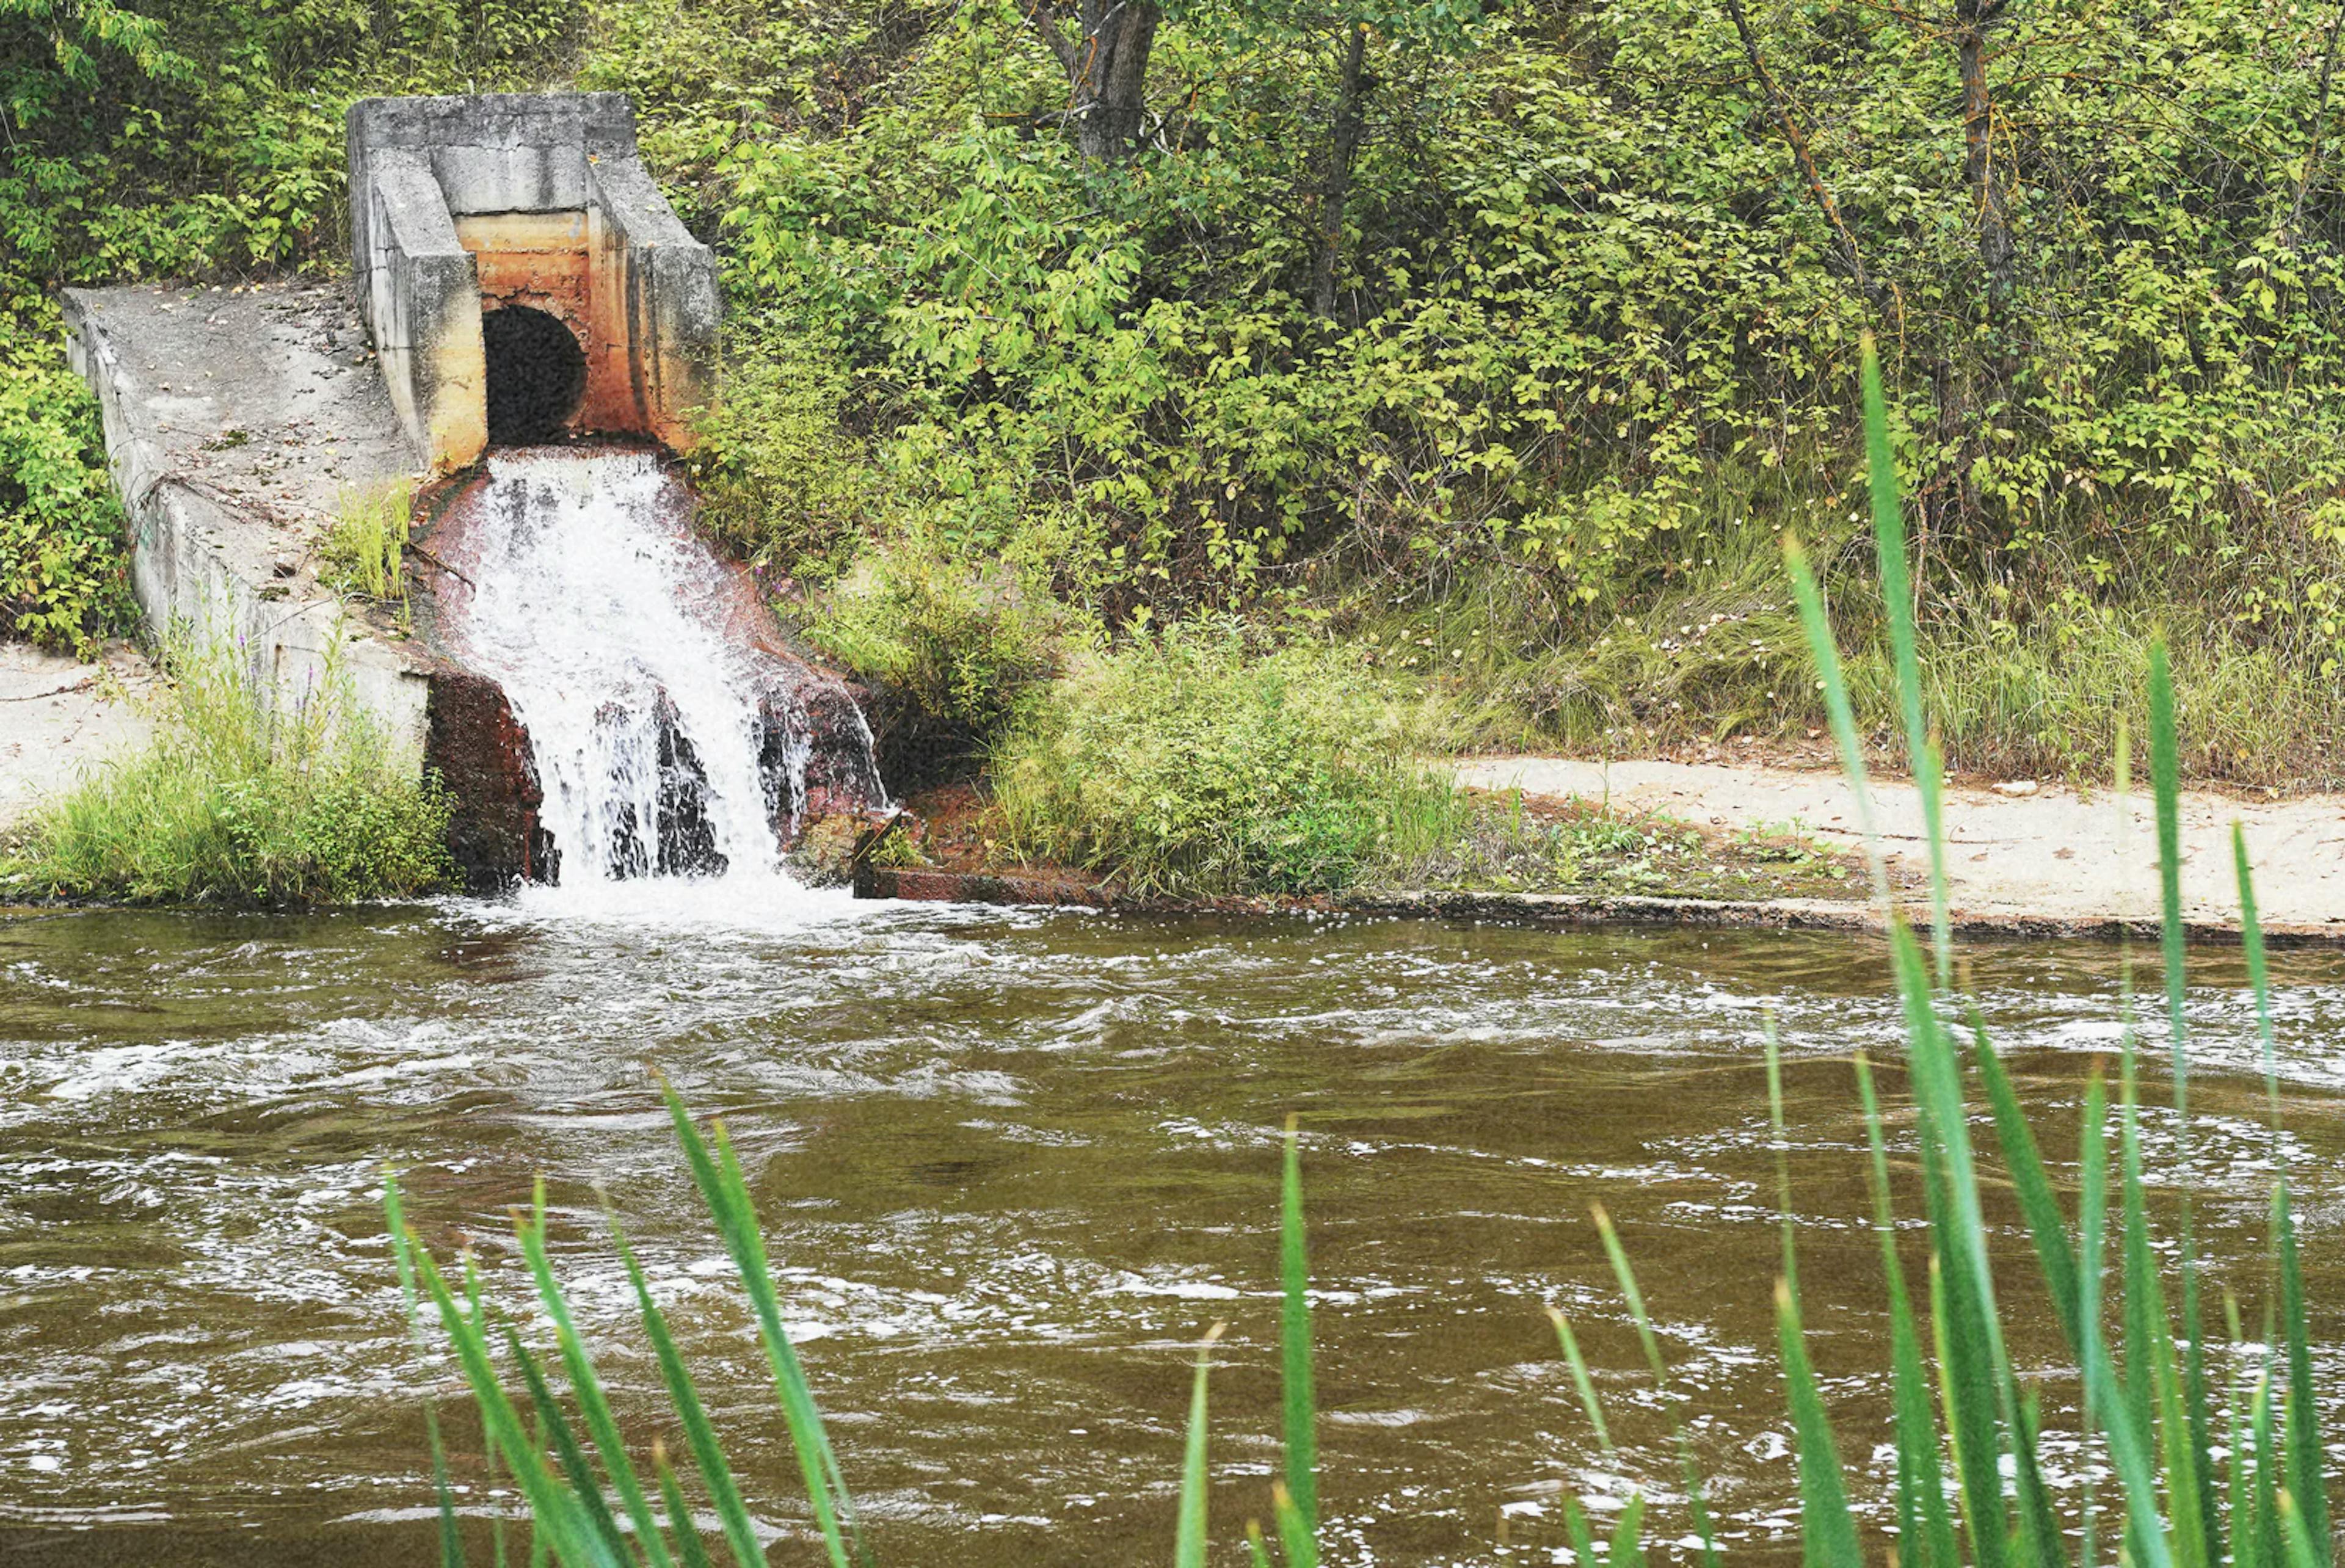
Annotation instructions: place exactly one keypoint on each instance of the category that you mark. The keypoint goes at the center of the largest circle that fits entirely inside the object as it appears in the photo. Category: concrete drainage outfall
(519, 279)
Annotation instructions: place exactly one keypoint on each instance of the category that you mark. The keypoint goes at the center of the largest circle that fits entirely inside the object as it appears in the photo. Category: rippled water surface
(1013, 1166)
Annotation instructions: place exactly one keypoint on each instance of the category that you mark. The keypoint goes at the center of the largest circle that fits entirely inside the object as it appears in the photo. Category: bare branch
(1047, 25)
(1851, 258)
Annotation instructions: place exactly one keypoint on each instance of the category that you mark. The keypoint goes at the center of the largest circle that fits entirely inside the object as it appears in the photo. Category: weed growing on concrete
(247, 796)
(364, 549)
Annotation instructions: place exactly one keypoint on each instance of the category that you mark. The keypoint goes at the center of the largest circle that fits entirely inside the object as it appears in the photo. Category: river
(1011, 1165)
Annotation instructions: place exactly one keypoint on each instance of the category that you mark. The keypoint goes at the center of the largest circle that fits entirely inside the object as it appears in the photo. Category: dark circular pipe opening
(537, 374)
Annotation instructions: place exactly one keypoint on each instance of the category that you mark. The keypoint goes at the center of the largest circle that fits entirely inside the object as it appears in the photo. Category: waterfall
(671, 735)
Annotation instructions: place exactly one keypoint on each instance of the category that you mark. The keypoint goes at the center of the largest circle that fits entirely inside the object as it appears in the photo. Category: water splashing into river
(671, 734)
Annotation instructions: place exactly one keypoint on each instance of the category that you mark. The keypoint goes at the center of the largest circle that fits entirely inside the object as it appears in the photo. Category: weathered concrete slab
(60, 717)
(237, 423)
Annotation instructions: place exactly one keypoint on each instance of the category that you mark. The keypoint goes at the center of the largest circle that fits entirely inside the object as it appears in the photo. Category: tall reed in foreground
(1969, 1485)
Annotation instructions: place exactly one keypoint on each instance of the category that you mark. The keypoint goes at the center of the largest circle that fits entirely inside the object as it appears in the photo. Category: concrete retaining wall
(233, 432)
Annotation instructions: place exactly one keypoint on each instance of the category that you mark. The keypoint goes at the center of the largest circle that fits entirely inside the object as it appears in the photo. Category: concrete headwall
(462, 204)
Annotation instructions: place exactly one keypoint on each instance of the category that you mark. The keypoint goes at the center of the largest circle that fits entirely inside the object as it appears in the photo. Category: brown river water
(1011, 1166)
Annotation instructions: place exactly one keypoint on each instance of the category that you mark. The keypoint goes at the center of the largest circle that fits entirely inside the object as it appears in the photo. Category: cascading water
(670, 734)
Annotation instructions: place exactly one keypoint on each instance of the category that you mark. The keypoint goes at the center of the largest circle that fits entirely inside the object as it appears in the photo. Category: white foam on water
(753, 901)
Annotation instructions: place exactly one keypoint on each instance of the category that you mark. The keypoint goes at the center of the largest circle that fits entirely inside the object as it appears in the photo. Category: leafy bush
(62, 565)
(963, 654)
(243, 800)
(778, 480)
(1189, 763)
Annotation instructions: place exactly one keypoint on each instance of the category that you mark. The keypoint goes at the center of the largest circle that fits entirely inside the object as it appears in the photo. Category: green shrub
(62, 558)
(240, 801)
(963, 652)
(779, 481)
(1190, 763)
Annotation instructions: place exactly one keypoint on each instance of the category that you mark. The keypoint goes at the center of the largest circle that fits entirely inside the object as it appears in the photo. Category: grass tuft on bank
(243, 802)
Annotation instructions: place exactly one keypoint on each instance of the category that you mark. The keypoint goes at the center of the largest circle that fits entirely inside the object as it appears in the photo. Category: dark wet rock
(482, 758)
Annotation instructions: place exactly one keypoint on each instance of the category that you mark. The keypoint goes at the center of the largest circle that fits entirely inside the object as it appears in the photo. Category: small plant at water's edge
(1187, 763)
(244, 798)
(956, 659)
(1969, 1433)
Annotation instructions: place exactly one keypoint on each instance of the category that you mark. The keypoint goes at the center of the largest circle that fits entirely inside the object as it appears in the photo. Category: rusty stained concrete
(464, 203)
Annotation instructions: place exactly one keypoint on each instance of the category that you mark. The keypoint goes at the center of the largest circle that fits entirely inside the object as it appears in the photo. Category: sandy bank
(2053, 855)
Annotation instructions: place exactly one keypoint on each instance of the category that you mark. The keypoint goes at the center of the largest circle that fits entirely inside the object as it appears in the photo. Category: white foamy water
(667, 743)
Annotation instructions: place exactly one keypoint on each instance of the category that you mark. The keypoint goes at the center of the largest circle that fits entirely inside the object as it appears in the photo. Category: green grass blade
(2092, 1227)
(2122, 1406)
(2182, 1489)
(2165, 772)
(2305, 1548)
(588, 1388)
(1782, 1158)
(552, 1423)
(2166, 781)
(1257, 1550)
(2029, 1182)
(2251, 943)
(1294, 1535)
(1298, 1396)
(1581, 1381)
(689, 1550)
(1897, 600)
(2038, 1539)
(1825, 651)
(551, 1506)
(1583, 1541)
(722, 1188)
(1627, 1278)
(1827, 1529)
(1925, 1528)
(394, 1215)
(2270, 1464)
(451, 1540)
(716, 1475)
(1627, 1549)
(2305, 1484)
(1975, 1372)
(1189, 1536)
(1695, 1497)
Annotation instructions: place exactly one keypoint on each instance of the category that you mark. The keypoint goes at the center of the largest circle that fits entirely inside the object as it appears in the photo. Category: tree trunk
(1981, 170)
(1107, 70)
(1337, 184)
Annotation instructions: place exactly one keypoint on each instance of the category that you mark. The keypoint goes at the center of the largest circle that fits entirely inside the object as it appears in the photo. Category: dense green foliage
(964, 653)
(1189, 764)
(1589, 343)
(240, 801)
(179, 139)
